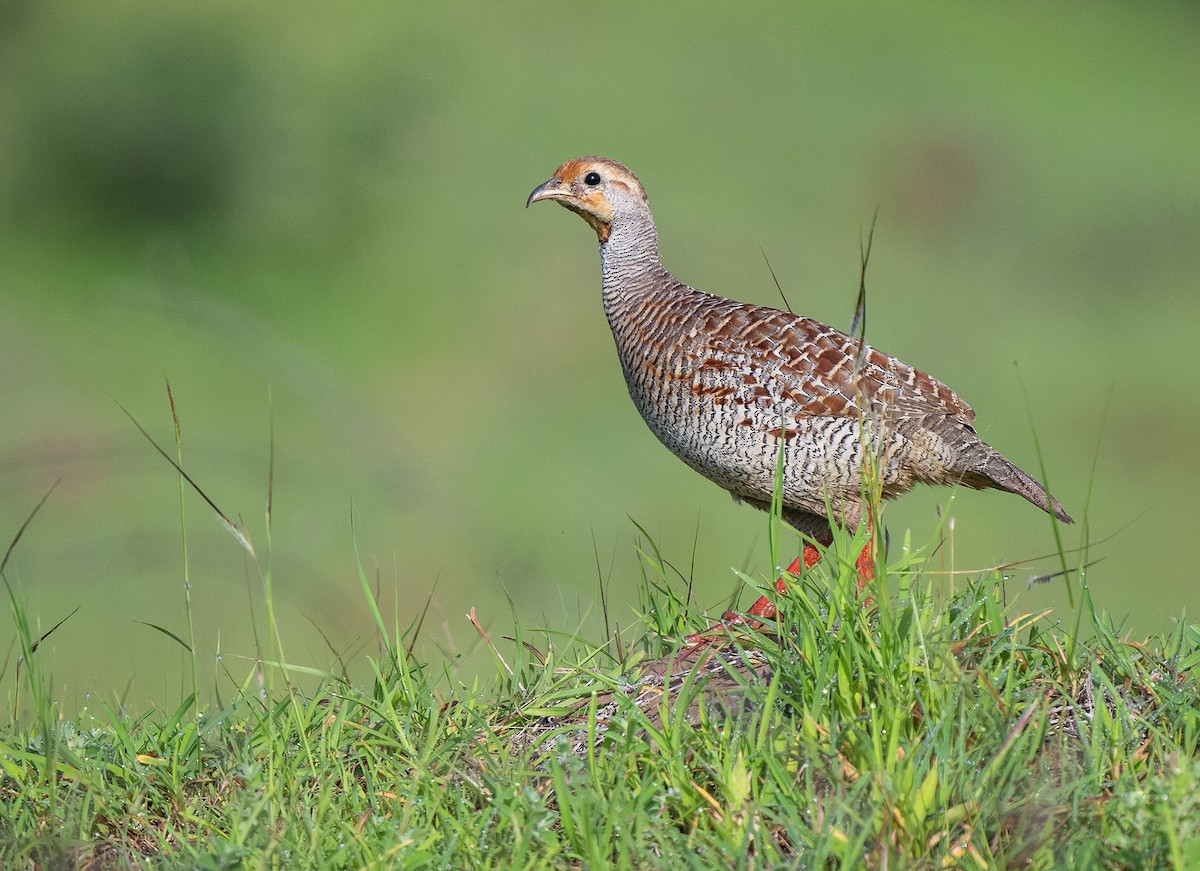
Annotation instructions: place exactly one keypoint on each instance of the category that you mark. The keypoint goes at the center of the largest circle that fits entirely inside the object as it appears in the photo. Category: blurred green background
(325, 205)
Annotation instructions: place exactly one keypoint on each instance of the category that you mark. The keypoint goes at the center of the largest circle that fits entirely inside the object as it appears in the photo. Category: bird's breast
(732, 418)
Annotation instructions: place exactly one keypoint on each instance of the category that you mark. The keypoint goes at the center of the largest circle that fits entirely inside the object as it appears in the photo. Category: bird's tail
(994, 470)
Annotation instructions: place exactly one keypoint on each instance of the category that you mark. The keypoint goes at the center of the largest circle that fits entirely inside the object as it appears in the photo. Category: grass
(939, 727)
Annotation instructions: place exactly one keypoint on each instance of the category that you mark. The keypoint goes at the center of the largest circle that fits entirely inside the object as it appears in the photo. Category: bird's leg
(764, 608)
(865, 564)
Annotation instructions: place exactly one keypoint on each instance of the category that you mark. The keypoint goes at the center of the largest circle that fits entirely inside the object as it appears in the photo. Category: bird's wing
(776, 356)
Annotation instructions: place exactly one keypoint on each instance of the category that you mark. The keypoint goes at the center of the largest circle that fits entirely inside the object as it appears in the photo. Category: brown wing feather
(773, 355)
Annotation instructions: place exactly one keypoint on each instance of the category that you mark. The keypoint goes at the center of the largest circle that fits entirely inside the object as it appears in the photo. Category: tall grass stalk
(187, 576)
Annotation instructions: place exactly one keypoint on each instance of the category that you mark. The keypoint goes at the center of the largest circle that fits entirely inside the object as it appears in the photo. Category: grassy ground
(935, 727)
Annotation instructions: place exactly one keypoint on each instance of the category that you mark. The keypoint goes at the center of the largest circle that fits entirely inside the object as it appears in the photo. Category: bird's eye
(592, 179)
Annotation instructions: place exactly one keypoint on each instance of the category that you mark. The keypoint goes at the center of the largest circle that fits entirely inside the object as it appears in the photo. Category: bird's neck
(630, 265)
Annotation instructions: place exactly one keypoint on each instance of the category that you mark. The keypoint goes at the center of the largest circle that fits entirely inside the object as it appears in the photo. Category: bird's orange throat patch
(595, 210)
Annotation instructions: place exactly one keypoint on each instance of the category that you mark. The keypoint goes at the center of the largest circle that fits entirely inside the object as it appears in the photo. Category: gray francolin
(730, 388)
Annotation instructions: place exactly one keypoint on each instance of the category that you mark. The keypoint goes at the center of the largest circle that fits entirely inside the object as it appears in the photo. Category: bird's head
(598, 189)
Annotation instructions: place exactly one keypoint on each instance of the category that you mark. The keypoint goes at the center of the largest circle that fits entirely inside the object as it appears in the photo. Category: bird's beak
(551, 190)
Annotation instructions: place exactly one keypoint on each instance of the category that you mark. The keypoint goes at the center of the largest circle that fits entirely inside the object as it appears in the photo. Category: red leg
(865, 567)
(764, 608)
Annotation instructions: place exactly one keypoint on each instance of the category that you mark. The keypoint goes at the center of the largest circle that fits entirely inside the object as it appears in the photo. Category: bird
(737, 390)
